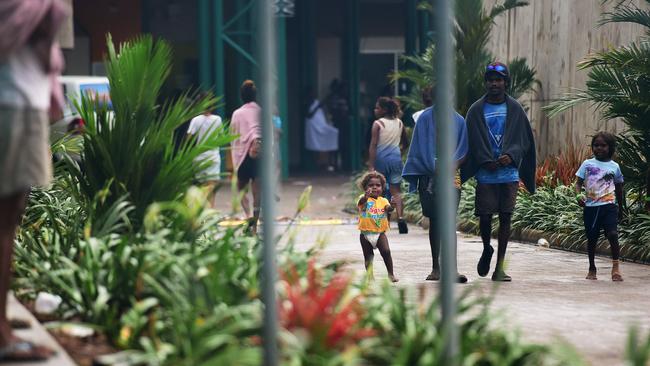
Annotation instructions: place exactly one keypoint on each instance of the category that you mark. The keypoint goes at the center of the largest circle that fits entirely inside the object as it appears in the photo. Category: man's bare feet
(592, 275)
(434, 275)
(392, 278)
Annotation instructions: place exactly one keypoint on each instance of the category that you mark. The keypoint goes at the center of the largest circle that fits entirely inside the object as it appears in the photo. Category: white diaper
(372, 238)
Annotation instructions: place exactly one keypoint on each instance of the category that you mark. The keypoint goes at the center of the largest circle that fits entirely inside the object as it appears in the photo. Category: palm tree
(473, 29)
(618, 86)
(130, 152)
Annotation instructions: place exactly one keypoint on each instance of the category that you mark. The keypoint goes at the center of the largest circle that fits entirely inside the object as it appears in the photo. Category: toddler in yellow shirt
(373, 221)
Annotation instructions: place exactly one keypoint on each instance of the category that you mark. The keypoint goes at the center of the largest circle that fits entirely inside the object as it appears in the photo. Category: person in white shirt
(200, 127)
(427, 101)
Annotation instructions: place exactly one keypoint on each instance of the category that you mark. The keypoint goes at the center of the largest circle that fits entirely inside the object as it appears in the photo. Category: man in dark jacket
(501, 153)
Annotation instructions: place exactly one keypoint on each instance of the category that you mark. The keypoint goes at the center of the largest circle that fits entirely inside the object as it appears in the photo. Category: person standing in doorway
(30, 97)
(501, 152)
(385, 153)
(246, 124)
(320, 136)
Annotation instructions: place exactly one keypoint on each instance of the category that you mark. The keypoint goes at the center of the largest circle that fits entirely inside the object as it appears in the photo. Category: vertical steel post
(411, 27)
(308, 80)
(352, 78)
(204, 43)
(424, 28)
(219, 56)
(444, 66)
(266, 36)
(282, 93)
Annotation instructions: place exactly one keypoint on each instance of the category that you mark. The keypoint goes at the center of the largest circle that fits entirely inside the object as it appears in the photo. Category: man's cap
(498, 68)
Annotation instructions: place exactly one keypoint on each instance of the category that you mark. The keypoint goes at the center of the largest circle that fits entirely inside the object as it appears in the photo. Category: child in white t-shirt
(602, 181)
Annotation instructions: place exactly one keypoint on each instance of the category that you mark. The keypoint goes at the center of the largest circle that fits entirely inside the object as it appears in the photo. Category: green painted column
(219, 56)
(424, 27)
(282, 96)
(204, 30)
(351, 67)
(243, 28)
(219, 65)
(308, 62)
(411, 27)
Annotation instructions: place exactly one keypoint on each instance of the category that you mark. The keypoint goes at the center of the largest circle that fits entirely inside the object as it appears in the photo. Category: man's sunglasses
(499, 68)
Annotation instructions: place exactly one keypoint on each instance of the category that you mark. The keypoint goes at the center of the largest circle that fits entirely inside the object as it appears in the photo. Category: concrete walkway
(37, 334)
(549, 299)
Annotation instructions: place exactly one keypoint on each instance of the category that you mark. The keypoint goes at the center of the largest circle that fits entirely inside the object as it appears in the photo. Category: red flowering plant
(327, 316)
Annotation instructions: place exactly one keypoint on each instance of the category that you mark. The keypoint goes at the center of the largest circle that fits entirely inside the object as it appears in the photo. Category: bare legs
(485, 225)
(612, 237)
(11, 209)
(245, 204)
(384, 250)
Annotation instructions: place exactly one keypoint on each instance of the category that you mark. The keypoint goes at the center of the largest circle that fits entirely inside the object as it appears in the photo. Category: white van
(73, 88)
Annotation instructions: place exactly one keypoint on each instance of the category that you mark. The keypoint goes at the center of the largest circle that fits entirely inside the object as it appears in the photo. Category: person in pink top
(30, 96)
(246, 124)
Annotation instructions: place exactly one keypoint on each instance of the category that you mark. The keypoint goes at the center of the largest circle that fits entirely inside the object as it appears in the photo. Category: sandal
(616, 277)
(591, 275)
(483, 266)
(402, 227)
(434, 275)
(24, 351)
(501, 276)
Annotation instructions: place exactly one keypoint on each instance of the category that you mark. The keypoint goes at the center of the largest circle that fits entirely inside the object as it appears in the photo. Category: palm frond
(133, 147)
(499, 9)
(626, 13)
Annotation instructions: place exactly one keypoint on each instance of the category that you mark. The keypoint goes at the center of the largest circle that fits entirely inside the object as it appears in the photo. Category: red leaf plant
(324, 311)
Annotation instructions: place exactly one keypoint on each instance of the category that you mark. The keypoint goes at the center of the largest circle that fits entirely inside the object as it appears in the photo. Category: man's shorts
(599, 218)
(25, 158)
(247, 170)
(495, 198)
(427, 194)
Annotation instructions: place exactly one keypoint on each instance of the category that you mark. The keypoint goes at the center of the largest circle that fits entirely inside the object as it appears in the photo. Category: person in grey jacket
(501, 153)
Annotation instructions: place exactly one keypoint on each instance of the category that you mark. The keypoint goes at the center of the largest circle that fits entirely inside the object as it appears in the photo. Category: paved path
(37, 334)
(549, 299)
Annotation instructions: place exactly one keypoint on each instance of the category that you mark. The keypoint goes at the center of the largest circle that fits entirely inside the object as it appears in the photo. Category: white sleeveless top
(391, 133)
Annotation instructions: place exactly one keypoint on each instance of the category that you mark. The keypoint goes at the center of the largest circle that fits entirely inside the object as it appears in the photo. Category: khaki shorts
(25, 158)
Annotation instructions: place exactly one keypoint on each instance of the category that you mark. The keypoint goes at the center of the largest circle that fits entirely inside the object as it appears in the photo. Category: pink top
(19, 21)
(245, 122)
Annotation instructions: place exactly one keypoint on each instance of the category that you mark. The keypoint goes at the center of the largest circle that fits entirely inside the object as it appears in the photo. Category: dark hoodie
(518, 142)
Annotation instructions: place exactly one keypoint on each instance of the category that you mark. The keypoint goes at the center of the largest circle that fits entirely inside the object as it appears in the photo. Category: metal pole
(204, 43)
(352, 75)
(219, 58)
(444, 64)
(282, 93)
(266, 37)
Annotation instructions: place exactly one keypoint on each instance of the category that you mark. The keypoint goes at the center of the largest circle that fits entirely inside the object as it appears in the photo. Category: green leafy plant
(618, 86)
(131, 150)
(411, 333)
(473, 30)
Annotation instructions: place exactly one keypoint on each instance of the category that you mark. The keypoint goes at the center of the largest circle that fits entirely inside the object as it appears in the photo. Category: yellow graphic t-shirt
(374, 218)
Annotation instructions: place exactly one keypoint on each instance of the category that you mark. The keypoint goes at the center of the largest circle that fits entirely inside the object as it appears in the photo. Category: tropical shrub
(130, 151)
(618, 86)
(411, 333)
(561, 169)
(473, 29)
